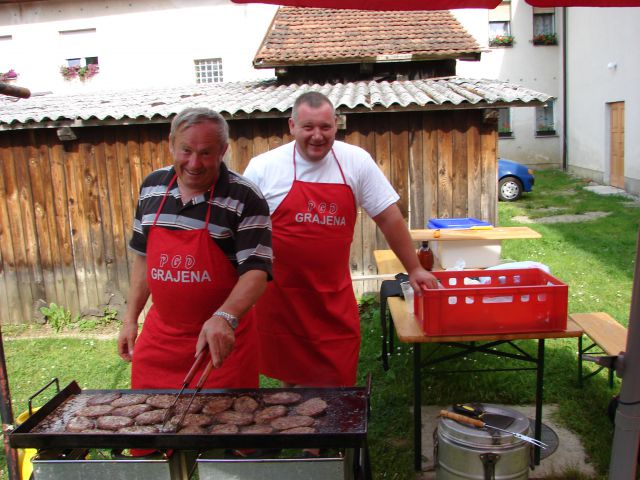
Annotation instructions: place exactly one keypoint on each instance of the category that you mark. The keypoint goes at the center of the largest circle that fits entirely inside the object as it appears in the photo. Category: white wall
(598, 38)
(138, 43)
(535, 67)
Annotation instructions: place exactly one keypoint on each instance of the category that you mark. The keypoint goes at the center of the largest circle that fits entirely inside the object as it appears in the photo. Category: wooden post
(7, 417)
(13, 91)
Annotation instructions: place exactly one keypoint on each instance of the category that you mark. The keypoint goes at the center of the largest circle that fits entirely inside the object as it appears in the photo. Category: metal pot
(465, 452)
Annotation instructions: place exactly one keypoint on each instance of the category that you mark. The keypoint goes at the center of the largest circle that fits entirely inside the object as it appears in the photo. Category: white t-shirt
(272, 171)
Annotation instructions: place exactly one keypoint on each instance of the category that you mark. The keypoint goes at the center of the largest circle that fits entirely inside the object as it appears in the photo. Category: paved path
(569, 456)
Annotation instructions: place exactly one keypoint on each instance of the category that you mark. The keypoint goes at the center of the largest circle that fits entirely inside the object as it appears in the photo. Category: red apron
(308, 320)
(189, 278)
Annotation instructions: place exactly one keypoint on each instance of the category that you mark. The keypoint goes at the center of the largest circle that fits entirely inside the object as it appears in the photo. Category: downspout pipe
(624, 451)
(564, 89)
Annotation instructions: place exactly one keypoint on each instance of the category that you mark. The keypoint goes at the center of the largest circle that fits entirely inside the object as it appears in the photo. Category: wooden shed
(71, 166)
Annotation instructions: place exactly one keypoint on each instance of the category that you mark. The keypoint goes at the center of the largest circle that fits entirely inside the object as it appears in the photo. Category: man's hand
(127, 339)
(421, 278)
(218, 336)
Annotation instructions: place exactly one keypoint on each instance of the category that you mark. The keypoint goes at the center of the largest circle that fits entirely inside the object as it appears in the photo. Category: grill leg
(417, 409)
(580, 377)
(539, 398)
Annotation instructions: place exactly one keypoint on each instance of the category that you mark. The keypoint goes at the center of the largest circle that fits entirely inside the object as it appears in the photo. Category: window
(500, 26)
(504, 123)
(544, 120)
(78, 48)
(544, 28)
(82, 62)
(83, 68)
(208, 70)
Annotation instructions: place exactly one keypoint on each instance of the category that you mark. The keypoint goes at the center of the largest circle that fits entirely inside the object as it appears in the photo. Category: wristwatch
(232, 320)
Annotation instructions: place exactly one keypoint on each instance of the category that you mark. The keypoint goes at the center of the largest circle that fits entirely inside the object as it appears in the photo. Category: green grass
(595, 258)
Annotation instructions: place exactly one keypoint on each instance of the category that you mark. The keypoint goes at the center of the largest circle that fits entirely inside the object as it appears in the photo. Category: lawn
(594, 257)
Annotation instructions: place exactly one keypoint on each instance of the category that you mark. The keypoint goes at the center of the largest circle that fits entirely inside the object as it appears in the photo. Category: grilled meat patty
(235, 418)
(79, 424)
(224, 428)
(130, 399)
(281, 398)
(299, 430)
(152, 417)
(293, 421)
(257, 429)
(245, 404)
(149, 429)
(113, 422)
(265, 416)
(217, 405)
(199, 419)
(311, 408)
(94, 411)
(131, 411)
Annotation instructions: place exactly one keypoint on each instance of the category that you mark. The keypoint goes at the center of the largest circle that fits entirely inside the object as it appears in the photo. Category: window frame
(544, 36)
(501, 17)
(205, 75)
(545, 120)
(505, 129)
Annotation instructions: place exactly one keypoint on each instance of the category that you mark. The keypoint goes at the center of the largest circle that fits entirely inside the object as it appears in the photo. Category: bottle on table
(425, 256)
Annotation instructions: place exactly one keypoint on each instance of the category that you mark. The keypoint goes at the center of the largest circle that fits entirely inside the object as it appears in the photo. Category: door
(616, 177)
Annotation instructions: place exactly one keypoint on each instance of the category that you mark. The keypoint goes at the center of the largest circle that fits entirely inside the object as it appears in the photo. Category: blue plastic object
(459, 223)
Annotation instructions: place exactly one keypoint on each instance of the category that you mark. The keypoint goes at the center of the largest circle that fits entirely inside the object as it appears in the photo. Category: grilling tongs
(187, 380)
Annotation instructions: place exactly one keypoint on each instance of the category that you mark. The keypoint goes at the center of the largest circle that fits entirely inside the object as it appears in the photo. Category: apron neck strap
(295, 176)
(164, 198)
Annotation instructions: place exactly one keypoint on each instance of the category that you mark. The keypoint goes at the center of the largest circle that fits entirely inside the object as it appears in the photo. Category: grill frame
(351, 432)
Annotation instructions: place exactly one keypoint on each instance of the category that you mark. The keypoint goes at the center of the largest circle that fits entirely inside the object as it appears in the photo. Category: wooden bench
(608, 336)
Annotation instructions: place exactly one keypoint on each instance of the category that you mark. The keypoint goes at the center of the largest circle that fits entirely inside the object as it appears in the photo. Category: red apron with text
(308, 320)
(189, 278)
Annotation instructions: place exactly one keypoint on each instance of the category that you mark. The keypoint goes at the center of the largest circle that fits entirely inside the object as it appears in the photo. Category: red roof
(304, 36)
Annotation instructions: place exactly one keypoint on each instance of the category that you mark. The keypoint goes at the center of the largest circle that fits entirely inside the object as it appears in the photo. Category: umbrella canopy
(383, 4)
(627, 432)
(438, 4)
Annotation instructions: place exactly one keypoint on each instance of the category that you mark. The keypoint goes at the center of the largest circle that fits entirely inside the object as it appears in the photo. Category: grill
(342, 426)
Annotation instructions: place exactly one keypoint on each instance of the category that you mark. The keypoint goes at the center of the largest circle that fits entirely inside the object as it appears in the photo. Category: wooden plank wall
(442, 164)
(66, 210)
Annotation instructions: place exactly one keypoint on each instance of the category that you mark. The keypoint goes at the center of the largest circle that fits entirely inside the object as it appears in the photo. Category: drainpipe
(564, 89)
(624, 450)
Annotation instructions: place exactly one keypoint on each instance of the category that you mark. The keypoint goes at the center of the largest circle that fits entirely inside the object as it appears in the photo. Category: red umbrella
(627, 432)
(438, 4)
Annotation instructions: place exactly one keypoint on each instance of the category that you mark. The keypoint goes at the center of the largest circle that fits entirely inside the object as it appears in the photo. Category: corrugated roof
(260, 99)
(303, 36)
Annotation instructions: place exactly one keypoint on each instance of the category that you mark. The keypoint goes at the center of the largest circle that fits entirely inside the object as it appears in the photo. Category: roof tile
(300, 36)
(261, 98)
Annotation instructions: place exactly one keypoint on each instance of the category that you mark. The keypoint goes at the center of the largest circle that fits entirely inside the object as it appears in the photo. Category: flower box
(76, 71)
(8, 76)
(501, 41)
(545, 39)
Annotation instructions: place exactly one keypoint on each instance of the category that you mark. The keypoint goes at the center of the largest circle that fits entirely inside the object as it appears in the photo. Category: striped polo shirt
(239, 222)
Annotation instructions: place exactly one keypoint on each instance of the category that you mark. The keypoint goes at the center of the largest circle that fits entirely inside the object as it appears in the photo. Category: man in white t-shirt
(308, 318)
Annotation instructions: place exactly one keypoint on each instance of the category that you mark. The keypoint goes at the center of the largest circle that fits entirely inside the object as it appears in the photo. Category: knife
(480, 424)
(476, 410)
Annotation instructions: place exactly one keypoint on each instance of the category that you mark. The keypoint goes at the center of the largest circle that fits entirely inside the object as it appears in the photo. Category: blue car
(513, 180)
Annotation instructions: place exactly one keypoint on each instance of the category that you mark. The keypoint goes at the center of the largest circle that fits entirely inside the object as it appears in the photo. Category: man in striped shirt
(202, 238)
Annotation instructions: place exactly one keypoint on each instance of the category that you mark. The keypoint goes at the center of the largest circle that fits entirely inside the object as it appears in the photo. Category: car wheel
(509, 189)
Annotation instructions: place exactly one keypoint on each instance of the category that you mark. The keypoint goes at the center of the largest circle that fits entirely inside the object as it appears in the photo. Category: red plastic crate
(508, 301)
